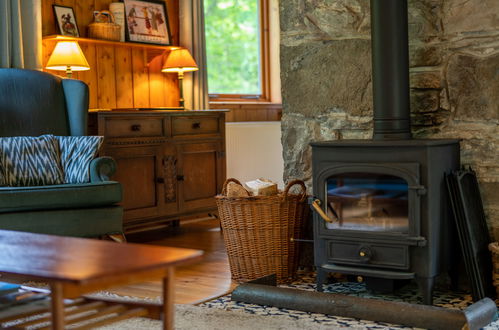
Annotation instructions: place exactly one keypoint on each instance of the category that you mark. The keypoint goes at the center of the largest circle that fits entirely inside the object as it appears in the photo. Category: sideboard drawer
(195, 125)
(130, 127)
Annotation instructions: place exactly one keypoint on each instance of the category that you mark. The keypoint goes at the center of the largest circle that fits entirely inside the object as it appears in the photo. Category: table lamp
(67, 56)
(180, 61)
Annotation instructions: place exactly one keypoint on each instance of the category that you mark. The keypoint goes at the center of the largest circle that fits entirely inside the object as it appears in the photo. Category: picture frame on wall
(66, 21)
(147, 22)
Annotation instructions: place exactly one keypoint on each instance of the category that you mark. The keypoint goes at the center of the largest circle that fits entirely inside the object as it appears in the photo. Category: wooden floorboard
(194, 283)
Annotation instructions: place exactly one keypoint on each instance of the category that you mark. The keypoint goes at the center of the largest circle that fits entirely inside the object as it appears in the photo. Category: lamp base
(181, 89)
(69, 72)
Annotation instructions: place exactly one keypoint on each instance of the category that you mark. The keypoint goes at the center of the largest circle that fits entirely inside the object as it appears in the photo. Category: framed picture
(66, 21)
(147, 22)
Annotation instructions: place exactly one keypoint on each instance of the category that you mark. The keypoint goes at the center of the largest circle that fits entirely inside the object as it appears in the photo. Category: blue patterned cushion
(30, 161)
(76, 154)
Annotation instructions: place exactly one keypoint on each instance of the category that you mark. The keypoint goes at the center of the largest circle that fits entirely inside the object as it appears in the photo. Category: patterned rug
(306, 281)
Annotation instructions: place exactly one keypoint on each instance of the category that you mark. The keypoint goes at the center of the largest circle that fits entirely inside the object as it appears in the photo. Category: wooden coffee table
(75, 266)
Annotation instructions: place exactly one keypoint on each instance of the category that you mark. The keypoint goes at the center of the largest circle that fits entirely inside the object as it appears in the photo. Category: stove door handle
(420, 190)
(417, 240)
(316, 205)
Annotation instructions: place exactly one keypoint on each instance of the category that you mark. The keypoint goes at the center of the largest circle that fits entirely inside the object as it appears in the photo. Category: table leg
(168, 304)
(57, 304)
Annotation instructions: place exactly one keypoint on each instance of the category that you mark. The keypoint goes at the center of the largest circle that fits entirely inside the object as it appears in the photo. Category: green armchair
(34, 103)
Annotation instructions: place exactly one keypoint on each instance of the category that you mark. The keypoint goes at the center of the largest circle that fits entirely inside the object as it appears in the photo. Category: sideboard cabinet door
(137, 171)
(201, 176)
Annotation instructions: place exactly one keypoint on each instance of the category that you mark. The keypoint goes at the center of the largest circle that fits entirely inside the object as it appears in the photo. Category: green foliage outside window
(232, 46)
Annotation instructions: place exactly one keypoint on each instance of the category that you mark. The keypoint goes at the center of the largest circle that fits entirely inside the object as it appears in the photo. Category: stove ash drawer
(368, 254)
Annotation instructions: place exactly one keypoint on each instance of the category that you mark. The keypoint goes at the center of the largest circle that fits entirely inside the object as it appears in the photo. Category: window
(237, 49)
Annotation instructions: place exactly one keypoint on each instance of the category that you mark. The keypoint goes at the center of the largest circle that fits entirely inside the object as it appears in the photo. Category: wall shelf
(58, 37)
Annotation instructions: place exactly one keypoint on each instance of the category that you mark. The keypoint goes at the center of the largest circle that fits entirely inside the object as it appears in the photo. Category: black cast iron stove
(386, 196)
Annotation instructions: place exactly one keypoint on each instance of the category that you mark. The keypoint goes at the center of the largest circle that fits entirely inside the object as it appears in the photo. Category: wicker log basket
(494, 249)
(106, 31)
(258, 232)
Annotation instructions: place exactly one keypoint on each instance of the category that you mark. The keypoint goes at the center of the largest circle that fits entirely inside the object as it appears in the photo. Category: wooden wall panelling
(250, 111)
(140, 78)
(156, 83)
(119, 76)
(239, 114)
(124, 77)
(48, 22)
(274, 114)
(229, 116)
(173, 19)
(84, 15)
(172, 93)
(106, 93)
(101, 4)
(256, 115)
(48, 47)
(90, 76)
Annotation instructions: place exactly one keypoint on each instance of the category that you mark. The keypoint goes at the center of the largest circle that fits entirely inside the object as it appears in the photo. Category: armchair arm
(101, 168)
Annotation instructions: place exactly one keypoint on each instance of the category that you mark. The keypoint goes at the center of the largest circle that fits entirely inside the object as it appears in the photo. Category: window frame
(263, 17)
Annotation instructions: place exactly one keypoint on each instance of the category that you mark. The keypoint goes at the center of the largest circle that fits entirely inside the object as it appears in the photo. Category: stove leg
(321, 279)
(426, 288)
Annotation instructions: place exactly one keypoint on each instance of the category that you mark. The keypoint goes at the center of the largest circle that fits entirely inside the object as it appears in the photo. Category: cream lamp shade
(179, 60)
(67, 56)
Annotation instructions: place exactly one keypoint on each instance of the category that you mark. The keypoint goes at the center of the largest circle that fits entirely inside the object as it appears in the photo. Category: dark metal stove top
(385, 143)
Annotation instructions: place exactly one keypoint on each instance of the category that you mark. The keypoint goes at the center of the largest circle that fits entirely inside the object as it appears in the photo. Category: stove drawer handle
(316, 205)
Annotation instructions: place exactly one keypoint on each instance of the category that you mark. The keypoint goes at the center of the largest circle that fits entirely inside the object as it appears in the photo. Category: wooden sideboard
(170, 163)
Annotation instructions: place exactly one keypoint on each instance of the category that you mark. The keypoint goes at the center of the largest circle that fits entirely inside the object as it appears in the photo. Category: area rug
(222, 313)
(198, 318)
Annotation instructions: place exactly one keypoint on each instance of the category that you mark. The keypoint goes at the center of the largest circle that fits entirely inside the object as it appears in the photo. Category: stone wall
(454, 74)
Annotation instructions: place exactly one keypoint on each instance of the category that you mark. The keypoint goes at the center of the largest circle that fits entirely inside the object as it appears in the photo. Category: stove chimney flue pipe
(390, 69)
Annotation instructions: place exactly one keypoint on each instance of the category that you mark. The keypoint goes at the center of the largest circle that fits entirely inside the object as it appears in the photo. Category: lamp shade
(179, 60)
(67, 54)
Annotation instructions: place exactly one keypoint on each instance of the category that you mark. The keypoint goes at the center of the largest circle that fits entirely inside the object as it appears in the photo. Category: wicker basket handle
(296, 182)
(106, 12)
(224, 189)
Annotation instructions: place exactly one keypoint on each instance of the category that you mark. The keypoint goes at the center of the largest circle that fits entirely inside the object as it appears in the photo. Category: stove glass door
(368, 202)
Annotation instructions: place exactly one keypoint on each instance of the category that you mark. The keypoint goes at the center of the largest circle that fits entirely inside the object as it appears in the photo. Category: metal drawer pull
(316, 205)
(196, 125)
(135, 128)
(180, 178)
(160, 180)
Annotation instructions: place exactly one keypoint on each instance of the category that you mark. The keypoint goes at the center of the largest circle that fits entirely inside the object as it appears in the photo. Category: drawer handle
(160, 180)
(180, 178)
(196, 125)
(135, 128)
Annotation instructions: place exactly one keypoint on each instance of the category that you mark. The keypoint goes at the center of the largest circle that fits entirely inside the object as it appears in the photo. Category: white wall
(254, 151)
(275, 69)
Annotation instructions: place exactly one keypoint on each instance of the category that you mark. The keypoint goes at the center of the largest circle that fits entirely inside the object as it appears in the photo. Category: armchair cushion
(76, 154)
(30, 161)
(64, 196)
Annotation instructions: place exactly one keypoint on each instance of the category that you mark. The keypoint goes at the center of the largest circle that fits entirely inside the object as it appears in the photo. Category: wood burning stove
(387, 200)
(386, 196)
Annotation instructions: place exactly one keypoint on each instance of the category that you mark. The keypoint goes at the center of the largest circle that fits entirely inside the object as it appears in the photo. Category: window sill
(249, 111)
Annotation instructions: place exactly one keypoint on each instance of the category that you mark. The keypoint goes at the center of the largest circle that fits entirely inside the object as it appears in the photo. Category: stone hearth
(454, 60)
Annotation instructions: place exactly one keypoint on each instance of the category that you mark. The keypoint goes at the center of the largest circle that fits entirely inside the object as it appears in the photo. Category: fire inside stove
(368, 202)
